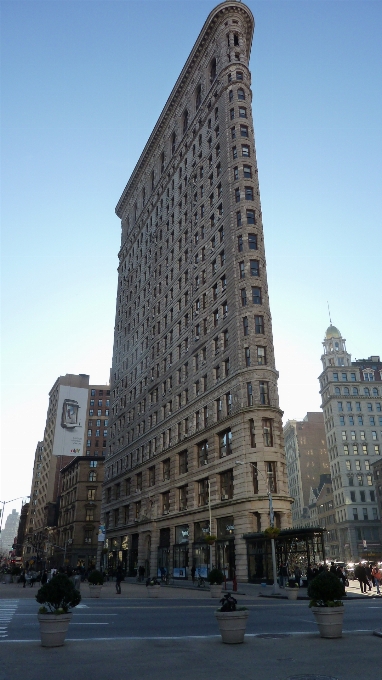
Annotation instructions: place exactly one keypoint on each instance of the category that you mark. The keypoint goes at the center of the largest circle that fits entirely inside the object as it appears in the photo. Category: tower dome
(332, 332)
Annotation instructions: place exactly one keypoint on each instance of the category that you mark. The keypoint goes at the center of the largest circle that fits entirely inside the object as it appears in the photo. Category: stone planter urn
(215, 590)
(53, 628)
(232, 625)
(153, 591)
(329, 621)
(95, 591)
(292, 593)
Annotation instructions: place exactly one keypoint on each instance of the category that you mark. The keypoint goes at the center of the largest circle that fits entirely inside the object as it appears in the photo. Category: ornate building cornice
(179, 88)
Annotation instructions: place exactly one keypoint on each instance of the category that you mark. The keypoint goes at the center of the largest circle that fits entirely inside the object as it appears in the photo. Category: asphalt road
(146, 618)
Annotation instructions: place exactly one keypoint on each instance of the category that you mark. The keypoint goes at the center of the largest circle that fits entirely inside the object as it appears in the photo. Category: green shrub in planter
(215, 577)
(59, 595)
(326, 590)
(95, 578)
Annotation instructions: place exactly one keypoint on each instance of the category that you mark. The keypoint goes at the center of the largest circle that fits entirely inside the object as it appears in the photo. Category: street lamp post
(276, 589)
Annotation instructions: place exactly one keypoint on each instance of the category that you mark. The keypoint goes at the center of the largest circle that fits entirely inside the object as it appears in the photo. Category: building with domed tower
(196, 433)
(351, 393)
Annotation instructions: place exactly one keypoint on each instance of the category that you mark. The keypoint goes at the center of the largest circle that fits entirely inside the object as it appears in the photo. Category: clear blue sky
(83, 84)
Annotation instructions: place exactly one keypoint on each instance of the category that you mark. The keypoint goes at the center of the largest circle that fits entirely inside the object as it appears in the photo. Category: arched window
(366, 391)
(198, 96)
(185, 121)
(235, 39)
(375, 392)
(241, 94)
(213, 70)
(173, 143)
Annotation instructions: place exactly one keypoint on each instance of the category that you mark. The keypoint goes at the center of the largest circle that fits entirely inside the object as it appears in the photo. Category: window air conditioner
(224, 497)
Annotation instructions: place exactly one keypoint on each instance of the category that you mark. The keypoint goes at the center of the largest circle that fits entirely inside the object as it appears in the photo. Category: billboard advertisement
(71, 420)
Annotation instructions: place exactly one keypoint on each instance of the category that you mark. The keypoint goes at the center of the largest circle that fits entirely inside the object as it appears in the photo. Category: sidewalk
(353, 657)
(182, 590)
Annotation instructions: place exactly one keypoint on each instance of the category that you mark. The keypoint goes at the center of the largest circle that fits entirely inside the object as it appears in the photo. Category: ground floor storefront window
(294, 548)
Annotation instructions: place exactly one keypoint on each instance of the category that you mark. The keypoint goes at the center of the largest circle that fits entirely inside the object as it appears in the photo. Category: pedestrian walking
(118, 579)
(141, 573)
(369, 576)
(44, 577)
(377, 574)
(360, 574)
(193, 570)
(77, 580)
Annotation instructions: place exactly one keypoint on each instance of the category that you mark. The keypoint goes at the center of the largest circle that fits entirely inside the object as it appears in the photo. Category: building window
(89, 517)
(259, 325)
(252, 241)
(203, 453)
(267, 431)
(225, 443)
(245, 151)
(240, 94)
(264, 393)
(91, 494)
(250, 213)
(240, 244)
(183, 462)
(245, 325)
(247, 354)
(138, 479)
(242, 113)
(261, 356)
(138, 506)
(249, 394)
(183, 497)
(165, 503)
(152, 475)
(271, 474)
(203, 492)
(166, 469)
(243, 294)
(226, 485)
(256, 295)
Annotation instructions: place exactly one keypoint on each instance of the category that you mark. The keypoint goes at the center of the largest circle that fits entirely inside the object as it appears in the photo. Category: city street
(176, 636)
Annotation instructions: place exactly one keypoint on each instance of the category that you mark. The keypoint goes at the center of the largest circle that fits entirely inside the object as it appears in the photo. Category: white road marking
(7, 612)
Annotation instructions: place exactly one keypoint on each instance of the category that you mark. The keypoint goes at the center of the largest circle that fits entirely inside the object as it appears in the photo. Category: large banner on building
(71, 420)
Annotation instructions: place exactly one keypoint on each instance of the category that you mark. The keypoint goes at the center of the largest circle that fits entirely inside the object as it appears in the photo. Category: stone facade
(194, 383)
(351, 394)
(307, 459)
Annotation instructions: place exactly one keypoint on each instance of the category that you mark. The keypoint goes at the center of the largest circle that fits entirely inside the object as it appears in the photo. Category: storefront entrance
(133, 556)
(225, 546)
(200, 549)
(163, 565)
(180, 552)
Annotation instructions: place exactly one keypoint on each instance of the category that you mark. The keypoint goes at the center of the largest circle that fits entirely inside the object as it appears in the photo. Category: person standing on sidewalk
(360, 574)
(377, 575)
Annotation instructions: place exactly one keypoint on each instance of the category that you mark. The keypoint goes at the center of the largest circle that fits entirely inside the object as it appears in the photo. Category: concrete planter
(153, 591)
(53, 628)
(95, 591)
(329, 621)
(232, 626)
(215, 590)
(292, 593)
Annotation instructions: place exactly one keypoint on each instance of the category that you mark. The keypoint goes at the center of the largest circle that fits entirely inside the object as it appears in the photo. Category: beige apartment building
(351, 393)
(92, 411)
(196, 434)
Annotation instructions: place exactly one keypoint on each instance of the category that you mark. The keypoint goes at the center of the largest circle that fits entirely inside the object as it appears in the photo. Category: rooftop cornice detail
(180, 86)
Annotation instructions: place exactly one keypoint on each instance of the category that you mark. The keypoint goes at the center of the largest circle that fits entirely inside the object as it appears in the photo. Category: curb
(378, 633)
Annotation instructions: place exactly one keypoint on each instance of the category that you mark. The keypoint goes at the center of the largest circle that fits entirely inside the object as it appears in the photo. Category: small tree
(59, 595)
(95, 578)
(326, 590)
(215, 577)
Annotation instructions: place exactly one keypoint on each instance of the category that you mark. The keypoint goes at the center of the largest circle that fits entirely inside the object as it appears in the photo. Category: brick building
(74, 541)
(307, 459)
(194, 382)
